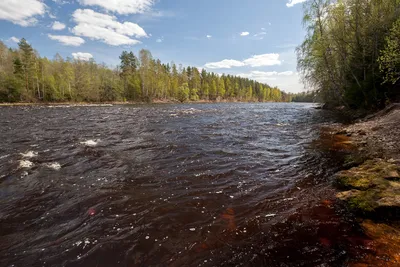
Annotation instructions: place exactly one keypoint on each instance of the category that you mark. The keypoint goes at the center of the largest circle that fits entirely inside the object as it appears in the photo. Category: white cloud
(288, 80)
(67, 40)
(106, 28)
(58, 26)
(263, 60)
(61, 2)
(244, 33)
(224, 64)
(21, 12)
(160, 40)
(208, 36)
(264, 75)
(82, 56)
(13, 39)
(122, 7)
(260, 35)
(254, 61)
(294, 2)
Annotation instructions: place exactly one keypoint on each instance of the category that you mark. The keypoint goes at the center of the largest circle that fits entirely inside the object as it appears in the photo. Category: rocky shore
(370, 186)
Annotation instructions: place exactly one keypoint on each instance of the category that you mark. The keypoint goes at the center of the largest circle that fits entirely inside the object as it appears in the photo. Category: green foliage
(25, 76)
(350, 49)
(390, 56)
(10, 90)
(305, 97)
(183, 93)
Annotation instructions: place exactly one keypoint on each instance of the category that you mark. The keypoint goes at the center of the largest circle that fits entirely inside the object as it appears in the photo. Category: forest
(306, 97)
(27, 77)
(351, 53)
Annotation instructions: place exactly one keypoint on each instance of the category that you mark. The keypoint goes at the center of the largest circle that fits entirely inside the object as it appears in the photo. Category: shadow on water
(173, 185)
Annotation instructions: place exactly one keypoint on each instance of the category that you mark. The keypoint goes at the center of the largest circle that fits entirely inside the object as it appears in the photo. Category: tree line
(306, 97)
(27, 77)
(351, 52)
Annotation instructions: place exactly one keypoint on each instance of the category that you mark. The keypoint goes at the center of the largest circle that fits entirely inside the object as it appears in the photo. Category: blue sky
(252, 38)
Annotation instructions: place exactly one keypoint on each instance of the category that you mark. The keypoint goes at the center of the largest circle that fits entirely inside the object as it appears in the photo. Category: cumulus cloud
(122, 7)
(254, 61)
(208, 36)
(160, 40)
(58, 26)
(13, 39)
(294, 2)
(224, 64)
(22, 12)
(244, 33)
(67, 40)
(263, 60)
(82, 56)
(105, 28)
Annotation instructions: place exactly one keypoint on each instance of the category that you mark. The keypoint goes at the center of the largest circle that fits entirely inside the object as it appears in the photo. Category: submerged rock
(385, 246)
(373, 187)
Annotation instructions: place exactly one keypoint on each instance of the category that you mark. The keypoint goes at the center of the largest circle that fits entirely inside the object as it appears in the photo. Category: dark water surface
(170, 185)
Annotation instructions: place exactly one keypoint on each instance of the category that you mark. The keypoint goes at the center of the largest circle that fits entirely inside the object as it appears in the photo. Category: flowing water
(171, 185)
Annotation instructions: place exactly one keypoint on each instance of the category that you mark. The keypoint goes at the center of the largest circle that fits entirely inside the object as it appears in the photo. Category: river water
(171, 185)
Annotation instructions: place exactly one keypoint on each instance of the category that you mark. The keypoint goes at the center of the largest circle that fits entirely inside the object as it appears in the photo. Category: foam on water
(80, 105)
(29, 154)
(53, 165)
(25, 164)
(90, 143)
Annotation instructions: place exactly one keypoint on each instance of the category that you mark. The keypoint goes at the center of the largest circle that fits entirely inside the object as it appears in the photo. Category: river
(171, 185)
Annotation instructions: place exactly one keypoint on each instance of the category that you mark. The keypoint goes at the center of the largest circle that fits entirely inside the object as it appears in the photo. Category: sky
(253, 38)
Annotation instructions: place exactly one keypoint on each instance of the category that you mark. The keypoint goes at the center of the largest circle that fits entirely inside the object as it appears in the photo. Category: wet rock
(385, 248)
(353, 160)
(372, 187)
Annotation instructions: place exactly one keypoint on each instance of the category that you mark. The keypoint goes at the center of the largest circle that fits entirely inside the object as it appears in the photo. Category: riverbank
(100, 104)
(89, 104)
(371, 184)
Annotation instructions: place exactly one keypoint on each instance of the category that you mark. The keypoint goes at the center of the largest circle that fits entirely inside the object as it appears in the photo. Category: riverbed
(172, 185)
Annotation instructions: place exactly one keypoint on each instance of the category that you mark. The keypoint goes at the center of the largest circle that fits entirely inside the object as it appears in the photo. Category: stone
(371, 187)
(348, 194)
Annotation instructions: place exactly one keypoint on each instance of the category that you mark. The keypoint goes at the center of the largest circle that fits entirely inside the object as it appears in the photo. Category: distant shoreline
(105, 104)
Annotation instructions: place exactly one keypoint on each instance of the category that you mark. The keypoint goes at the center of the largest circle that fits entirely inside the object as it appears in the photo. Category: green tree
(183, 93)
(390, 56)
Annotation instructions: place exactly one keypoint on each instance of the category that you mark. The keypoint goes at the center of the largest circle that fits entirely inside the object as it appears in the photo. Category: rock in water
(373, 187)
